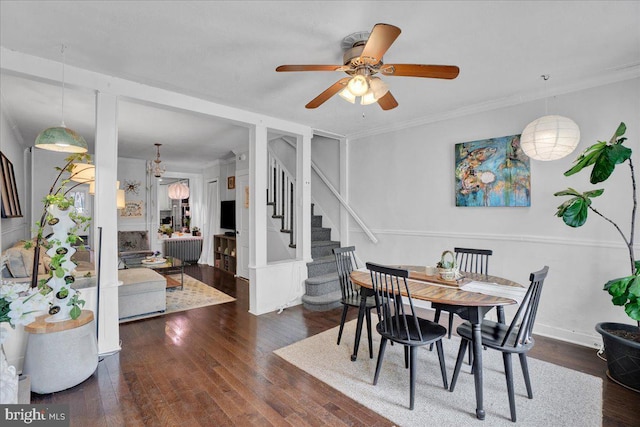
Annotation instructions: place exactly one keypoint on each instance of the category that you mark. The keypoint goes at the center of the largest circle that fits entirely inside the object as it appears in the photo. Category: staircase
(322, 288)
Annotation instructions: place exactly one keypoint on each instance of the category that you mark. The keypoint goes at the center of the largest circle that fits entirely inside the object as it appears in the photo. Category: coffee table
(171, 265)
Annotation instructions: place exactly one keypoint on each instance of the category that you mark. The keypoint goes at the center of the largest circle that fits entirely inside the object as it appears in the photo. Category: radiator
(187, 249)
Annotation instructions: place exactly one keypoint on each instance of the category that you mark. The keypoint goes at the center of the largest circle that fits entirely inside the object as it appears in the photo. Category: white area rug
(194, 294)
(561, 397)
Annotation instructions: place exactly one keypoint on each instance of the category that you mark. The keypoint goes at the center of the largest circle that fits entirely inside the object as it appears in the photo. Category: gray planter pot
(623, 356)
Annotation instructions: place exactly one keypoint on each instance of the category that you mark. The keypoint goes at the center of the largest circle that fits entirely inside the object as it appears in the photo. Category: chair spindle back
(473, 260)
(346, 263)
(396, 313)
(526, 314)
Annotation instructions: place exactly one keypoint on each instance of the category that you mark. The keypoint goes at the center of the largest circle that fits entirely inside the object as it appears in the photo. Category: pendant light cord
(546, 77)
(63, 64)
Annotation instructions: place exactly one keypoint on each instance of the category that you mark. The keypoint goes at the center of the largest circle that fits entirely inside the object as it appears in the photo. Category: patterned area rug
(194, 294)
(562, 397)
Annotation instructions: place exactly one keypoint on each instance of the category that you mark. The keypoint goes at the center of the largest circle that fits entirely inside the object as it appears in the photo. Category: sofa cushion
(20, 260)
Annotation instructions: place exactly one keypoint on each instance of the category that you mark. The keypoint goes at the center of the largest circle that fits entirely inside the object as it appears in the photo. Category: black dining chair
(351, 296)
(509, 339)
(398, 322)
(473, 261)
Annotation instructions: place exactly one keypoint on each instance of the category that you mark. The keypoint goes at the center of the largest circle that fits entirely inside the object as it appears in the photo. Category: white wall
(134, 170)
(402, 185)
(11, 145)
(325, 154)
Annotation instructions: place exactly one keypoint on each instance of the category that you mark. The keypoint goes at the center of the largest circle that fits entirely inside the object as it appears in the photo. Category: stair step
(322, 285)
(323, 248)
(322, 303)
(316, 220)
(321, 266)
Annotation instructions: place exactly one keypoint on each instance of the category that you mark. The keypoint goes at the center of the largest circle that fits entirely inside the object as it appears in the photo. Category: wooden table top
(40, 326)
(444, 294)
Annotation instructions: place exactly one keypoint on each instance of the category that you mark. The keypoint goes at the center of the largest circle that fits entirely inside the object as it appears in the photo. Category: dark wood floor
(214, 366)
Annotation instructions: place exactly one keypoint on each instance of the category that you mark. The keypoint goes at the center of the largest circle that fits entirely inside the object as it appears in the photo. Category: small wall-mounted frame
(231, 183)
(10, 201)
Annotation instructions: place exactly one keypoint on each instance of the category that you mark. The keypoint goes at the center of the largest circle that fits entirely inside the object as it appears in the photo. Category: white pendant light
(178, 191)
(61, 138)
(550, 138)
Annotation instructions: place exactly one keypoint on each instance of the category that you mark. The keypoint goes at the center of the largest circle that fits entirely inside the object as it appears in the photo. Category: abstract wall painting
(492, 172)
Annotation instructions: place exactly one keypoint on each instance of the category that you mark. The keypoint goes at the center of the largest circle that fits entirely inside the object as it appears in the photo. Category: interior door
(242, 225)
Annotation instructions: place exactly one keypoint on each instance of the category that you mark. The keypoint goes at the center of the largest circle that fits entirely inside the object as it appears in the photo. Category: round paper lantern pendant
(178, 191)
(550, 138)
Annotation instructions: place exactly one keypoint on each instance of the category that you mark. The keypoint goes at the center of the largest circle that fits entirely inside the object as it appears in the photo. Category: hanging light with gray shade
(550, 137)
(61, 138)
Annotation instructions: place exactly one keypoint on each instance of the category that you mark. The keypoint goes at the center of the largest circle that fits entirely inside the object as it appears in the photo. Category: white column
(106, 161)
(257, 210)
(303, 197)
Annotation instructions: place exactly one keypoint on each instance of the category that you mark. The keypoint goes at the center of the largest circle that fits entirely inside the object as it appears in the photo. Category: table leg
(361, 312)
(477, 368)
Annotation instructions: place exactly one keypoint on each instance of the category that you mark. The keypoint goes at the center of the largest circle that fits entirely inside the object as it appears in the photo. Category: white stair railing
(335, 192)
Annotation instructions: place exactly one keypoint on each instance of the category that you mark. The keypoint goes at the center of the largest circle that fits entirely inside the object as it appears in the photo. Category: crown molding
(623, 73)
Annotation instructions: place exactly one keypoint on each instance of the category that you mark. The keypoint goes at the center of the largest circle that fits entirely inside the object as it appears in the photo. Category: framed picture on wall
(231, 183)
(492, 172)
(9, 190)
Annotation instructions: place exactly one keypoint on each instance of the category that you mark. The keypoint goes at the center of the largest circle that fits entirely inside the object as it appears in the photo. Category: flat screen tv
(228, 215)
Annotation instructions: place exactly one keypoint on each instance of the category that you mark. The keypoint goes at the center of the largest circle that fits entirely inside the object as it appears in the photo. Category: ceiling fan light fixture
(347, 95)
(358, 85)
(378, 87)
(368, 98)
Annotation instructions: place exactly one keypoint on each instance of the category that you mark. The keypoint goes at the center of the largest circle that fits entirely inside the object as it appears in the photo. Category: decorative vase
(9, 381)
(622, 354)
(61, 281)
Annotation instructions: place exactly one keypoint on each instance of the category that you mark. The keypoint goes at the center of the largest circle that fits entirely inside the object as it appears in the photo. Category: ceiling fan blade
(324, 96)
(421, 70)
(381, 38)
(387, 102)
(311, 68)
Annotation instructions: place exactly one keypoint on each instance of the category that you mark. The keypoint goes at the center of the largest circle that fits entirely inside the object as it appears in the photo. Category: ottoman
(142, 291)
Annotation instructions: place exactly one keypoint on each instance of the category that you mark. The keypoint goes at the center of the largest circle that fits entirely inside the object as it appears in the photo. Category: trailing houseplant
(603, 157)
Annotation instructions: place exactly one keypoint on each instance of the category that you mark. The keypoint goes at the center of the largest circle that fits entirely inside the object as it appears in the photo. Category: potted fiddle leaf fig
(621, 341)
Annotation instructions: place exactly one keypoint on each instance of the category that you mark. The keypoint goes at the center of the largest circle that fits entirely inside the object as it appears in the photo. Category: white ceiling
(227, 52)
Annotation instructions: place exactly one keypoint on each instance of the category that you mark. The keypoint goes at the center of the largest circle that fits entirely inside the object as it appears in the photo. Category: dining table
(473, 294)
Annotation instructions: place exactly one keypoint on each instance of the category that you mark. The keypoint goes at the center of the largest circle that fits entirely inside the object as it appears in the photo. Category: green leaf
(75, 312)
(594, 193)
(622, 128)
(633, 310)
(575, 214)
(587, 158)
(606, 162)
(637, 265)
(634, 287)
(568, 192)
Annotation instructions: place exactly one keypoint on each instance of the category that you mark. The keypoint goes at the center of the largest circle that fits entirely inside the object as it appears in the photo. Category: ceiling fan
(362, 61)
